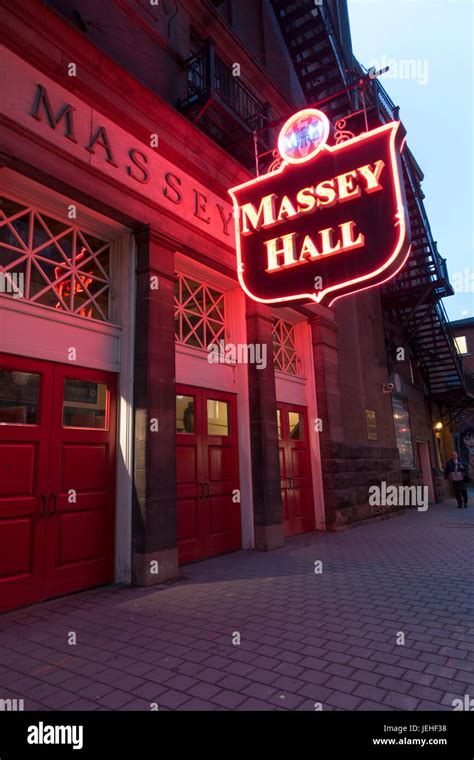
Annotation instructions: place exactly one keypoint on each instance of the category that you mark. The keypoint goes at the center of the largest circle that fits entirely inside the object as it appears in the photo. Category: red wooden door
(26, 392)
(295, 470)
(208, 509)
(221, 473)
(57, 467)
(189, 478)
(80, 524)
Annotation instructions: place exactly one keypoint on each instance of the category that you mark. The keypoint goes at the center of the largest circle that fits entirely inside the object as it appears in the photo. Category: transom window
(199, 313)
(284, 347)
(49, 262)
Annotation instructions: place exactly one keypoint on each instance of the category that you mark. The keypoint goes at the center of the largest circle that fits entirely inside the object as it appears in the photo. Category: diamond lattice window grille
(60, 266)
(199, 313)
(285, 354)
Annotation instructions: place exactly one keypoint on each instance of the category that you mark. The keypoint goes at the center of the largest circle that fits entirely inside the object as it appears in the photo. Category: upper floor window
(199, 313)
(52, 263)
(461, 344)
(401, 421)
(284, 347)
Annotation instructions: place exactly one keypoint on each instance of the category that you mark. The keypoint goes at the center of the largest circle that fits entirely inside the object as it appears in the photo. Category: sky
(435, 94)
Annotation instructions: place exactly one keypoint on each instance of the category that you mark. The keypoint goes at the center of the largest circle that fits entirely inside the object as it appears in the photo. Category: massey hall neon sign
(330, 221)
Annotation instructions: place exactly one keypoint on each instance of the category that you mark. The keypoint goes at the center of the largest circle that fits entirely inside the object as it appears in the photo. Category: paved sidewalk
(305, 638)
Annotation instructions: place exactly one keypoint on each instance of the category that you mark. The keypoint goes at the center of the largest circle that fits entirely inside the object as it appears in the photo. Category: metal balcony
(221, 105)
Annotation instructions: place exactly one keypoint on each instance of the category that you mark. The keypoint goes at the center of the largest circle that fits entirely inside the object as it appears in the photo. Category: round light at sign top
(303, 135)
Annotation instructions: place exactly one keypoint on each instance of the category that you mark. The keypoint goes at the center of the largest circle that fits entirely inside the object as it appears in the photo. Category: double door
(57, 479)
(295, 469)
(208, 498)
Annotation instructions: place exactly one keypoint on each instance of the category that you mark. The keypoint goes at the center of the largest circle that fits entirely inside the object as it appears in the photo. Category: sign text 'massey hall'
(324, 225)
(285, 251)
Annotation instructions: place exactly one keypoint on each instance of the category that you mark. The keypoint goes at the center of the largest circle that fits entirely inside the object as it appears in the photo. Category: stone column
(154, 529)
(264, 433)
(324, 331)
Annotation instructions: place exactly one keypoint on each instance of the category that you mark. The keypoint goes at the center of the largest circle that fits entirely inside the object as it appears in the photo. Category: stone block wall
(441, 486)
(348, 472)
(412, 477)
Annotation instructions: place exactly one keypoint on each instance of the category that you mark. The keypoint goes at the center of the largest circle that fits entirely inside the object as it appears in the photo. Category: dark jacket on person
(451, 467)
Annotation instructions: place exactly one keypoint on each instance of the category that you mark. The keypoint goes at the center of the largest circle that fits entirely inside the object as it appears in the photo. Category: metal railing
(391, 112)
(335, 43)
(208, 76)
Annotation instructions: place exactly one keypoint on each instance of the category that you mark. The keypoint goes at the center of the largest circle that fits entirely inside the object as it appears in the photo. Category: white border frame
(114, 345)
(125, 263)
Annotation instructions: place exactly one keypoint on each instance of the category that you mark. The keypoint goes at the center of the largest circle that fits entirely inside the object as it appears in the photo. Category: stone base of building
(442, 487)
(345, 517)
(268, 537)
(348, 473)
(152, 568)
(412, 477)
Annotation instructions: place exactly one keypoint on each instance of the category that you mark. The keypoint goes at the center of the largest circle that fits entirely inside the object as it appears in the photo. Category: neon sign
(79, 288)
(330, 221)
(303, 135)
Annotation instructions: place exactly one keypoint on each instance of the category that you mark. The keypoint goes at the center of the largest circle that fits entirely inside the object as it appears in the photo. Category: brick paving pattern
(306, 638)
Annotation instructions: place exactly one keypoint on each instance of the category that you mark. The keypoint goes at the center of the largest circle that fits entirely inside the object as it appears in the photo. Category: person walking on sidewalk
(455, 471)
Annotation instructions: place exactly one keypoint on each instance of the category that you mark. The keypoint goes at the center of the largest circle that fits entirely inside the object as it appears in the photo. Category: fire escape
(412, 301)
(414, 313)
(317, 54)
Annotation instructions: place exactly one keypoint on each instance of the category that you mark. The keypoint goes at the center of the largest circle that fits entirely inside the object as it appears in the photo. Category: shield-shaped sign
(330, 221)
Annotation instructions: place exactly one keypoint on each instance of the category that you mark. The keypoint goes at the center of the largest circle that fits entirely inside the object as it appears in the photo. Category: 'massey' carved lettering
(66, 112)
(109, 144)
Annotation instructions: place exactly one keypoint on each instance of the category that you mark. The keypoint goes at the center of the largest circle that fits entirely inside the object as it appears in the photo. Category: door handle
(288, 477)
(207, 494)
(43, 509)
(53, 511)
(292, 483)
(201, 490)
